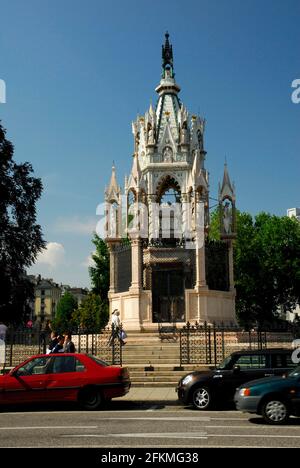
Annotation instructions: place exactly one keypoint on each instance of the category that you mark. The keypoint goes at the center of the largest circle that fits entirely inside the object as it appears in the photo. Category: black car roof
(263, 351)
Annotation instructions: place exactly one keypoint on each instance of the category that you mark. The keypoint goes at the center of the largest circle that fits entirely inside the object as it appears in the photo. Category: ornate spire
(113, 191)
(227, 207)
(227, 190)
(167, 58)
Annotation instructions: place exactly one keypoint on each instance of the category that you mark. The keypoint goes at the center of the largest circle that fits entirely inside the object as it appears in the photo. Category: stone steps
(157, 378)
(145, 349)
(165, 367)
(155, 384)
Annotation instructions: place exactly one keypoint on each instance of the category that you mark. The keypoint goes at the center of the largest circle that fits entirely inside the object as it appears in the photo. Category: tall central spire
(167, 82)
(167, 58)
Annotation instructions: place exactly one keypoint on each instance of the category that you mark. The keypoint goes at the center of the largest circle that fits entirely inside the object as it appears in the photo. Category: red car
(64, 377)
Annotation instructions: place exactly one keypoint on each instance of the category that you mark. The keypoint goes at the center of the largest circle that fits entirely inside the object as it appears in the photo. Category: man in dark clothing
(59, 347)
(69, 346)
(53, 341)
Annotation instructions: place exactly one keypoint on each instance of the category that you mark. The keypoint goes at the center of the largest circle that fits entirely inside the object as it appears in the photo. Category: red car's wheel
(90, 399)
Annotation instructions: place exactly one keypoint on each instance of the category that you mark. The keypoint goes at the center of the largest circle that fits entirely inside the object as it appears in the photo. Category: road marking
(230, 419)
(117, 410)
(46, 427)
(177, 435)
(164, 418)
(166, 435)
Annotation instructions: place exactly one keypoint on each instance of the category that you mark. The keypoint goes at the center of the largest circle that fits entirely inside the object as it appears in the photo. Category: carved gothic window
(170, 211)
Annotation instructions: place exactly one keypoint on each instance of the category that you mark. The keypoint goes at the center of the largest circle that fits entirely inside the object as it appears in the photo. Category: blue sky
(78, 72)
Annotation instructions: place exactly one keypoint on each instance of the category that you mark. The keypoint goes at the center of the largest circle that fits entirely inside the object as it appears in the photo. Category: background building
(79, 293)
(47, 293)
(294, 212)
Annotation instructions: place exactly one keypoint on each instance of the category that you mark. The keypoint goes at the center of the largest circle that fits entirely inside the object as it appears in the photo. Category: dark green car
(275, 398)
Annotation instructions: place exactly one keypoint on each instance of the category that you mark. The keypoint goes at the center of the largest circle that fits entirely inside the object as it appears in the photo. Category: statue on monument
(184, 134)
(150, 135)
(168, 154)
(227, 218)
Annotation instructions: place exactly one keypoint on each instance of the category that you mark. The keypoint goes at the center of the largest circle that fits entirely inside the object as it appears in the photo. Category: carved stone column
(151, 217)
(200, 244)
(112, 243)
(186, 216)
(136, 260)
(230, 266)
(200, 266)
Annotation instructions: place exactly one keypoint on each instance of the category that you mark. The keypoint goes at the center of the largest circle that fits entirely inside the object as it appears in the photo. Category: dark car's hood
(199, 374)
(282, 381)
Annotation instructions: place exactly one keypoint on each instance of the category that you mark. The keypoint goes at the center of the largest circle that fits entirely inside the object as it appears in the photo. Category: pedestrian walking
(116, 328)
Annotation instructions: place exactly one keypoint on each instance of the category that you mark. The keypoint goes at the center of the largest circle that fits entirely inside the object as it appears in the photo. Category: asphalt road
(124, 424)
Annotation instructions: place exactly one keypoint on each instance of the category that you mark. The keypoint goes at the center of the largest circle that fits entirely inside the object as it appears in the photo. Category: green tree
(20, 236)
(92, 313)
(266, 265)
(214, 227)
(99, 273)
(64, 312)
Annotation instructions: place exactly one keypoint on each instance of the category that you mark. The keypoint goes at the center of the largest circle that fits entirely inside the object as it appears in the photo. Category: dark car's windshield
(295, 373)
(99, 361)
(224, 364)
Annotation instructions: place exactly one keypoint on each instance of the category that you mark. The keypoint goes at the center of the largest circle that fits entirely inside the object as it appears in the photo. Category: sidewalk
(155, 395)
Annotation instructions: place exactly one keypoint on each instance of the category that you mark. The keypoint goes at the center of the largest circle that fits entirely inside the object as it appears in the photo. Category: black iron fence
(210, 344)
(21, 344)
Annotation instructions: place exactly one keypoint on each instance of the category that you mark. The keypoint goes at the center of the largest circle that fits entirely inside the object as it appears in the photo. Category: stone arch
(131, 196)
(168, 197)
(165, 183)
(130, 200)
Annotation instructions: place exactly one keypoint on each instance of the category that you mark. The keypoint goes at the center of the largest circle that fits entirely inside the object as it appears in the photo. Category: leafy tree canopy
(99, 273)
(64, 312)
(92, 314)
(20, 236)
(266, 266)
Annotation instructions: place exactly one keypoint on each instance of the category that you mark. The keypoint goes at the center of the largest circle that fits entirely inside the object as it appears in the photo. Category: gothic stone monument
(163, 268)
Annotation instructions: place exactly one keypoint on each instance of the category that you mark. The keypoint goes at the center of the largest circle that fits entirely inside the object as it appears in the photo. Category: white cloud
(52, 256)
(88, 262)
(76, 225)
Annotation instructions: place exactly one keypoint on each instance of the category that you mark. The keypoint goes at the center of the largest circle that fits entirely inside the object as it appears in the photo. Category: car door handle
(269, 375)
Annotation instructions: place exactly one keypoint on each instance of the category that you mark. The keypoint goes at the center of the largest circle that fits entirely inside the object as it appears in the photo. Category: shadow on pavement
(118, 405)
(261, 422)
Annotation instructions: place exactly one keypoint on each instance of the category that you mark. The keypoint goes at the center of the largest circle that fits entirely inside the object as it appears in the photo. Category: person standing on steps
(116, 328)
